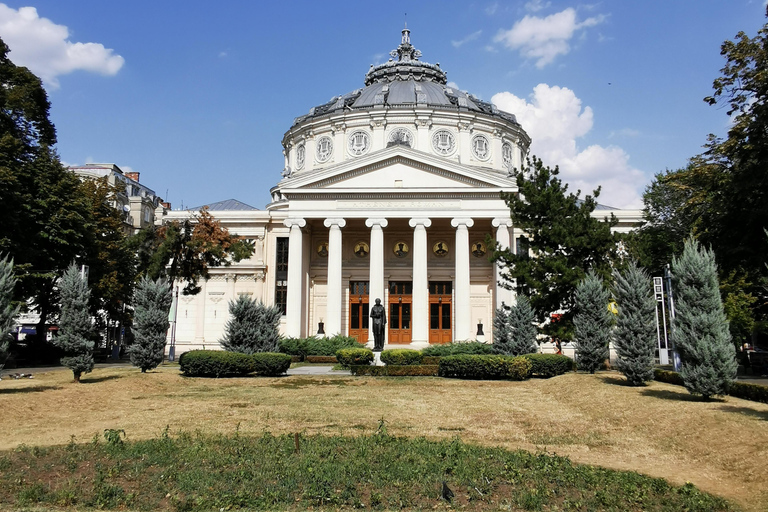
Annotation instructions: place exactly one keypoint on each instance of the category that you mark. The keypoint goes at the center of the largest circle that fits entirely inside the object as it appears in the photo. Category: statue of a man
(379, 322)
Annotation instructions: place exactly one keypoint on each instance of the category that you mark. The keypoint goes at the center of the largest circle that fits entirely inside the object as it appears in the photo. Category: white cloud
(44, 47)
(536, 5)
(470, 37)
(544, 39)
(555, 119)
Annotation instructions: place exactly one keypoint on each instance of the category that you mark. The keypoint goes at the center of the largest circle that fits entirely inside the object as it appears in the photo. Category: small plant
(354, 356)
(113, 436)
(401, 356)
(549, 365)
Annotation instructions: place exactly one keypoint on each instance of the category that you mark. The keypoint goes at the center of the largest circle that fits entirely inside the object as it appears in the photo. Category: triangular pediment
(397, 168)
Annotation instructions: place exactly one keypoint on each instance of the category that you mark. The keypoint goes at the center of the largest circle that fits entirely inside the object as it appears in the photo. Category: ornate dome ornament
(481, 147)
(400, 136)
(506, 155)
(324, 149)
(407, 66)
(359, 143)
(300, 156)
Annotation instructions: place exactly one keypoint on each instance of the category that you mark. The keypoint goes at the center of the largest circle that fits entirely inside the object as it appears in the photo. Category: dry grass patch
(660, 430)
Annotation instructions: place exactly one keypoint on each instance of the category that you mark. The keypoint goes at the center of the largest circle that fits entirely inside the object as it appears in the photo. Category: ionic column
(376, 269)
(202, 299)
(503, 294)
(295, 278)
(333, 308)
(420, 298)
(462, 308)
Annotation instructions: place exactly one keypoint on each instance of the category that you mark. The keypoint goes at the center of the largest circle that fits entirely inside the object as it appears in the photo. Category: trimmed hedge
(314, 346)
(435, 360)
(321, 359)
(216, 363)
(401, 356)
(271, 364)
(410, 370)
(745, 390)
(549, 365)
(475, 366)
(354, 356)
(453, 349)
(220, 363)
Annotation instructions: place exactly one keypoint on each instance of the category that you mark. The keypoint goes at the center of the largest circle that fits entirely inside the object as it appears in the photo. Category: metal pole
(175, 306)
(670, 298)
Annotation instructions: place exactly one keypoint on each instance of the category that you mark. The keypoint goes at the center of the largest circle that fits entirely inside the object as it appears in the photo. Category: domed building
(388, 192)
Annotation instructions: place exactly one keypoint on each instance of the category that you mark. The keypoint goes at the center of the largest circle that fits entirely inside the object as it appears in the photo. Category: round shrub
(549, 365)
(354, 356)
(271, 364)
(477, 366)
(401, 356)
(216, 363)
(453, 349)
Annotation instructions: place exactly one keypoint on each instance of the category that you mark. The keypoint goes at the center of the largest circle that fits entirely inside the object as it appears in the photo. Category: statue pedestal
(377, 359)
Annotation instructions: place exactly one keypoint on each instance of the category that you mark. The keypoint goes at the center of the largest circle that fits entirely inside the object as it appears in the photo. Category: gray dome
(406, 82)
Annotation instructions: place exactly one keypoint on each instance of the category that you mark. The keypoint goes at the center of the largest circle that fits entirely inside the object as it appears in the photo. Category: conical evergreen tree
(592, 323)
(700, 332)
(7, 311)
(518, 334)
(635, 334)
(501, 334)
(152, 301)
(76, 334)
(252, 328)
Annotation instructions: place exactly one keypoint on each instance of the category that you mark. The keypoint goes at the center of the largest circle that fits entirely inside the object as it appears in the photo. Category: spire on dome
(406, 52)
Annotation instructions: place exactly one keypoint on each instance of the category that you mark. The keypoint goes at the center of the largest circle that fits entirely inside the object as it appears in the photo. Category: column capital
(334, 222)
(420, 222)
(289, 223)
(462, 222)
(501, 221)
(376, 222)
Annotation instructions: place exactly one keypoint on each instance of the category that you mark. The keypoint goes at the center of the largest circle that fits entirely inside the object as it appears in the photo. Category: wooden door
(358, 310)
(440, 312)
(399, 318)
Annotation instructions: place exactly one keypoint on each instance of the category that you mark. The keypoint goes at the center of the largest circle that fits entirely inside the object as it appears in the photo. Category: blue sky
(196, 95)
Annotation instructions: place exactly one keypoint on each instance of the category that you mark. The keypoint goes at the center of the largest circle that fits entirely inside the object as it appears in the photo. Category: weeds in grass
(192, 472)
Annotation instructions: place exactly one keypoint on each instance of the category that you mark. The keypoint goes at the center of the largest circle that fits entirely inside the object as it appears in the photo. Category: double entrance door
(399, 319)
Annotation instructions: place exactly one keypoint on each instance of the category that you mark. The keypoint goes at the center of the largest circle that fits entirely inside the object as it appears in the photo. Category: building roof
(403, 81)
(227, 204)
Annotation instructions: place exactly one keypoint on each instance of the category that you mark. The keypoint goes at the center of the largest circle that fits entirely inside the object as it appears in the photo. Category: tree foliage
(8, 310)
(592, 323)
(565, 239)
(76, 336)
(635, 333)
(252, 328)
(151, 302)
(186, 250)
(700, 330)
(517, 334)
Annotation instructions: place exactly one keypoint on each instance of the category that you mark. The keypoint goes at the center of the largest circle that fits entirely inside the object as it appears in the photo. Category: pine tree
(635, 334)
(592, 323)
(252, 328)
(501, 334)
(7, 311)
(75, 323)
(518, 335)
(700, 333)
(152, 301)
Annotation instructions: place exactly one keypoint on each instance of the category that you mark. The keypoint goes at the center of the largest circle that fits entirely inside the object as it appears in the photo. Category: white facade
(389, 192)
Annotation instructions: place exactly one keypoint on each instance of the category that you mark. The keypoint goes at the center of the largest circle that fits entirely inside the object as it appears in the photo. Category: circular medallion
(300, 156)
(401, 136)
(506, 155)
(400, 249)
(481, 148)
(322, 250)
(361, 249)
(478, 249)
(324, 149)
(440, 249)
(443, 142)
(359, 143)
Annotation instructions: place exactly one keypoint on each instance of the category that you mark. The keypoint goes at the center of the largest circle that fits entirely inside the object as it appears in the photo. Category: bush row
(454, 349)
(412, 370)
(745, 390)
(315, 346)
(475, 366)
(217, 363)
(401, 356)
(549, 365)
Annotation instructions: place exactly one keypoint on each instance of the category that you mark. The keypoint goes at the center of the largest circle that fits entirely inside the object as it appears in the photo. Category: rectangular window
(281, 274)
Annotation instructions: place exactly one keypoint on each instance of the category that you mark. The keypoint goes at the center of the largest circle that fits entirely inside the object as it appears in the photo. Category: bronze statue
(378, 317)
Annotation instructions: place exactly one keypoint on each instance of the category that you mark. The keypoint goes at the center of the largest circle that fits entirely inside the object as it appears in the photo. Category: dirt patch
(660, 430)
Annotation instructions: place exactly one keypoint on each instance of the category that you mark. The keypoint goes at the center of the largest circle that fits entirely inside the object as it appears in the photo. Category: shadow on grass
(763, 415)
(666, 394)
(617, 381)
(103, 378)
(33, 389)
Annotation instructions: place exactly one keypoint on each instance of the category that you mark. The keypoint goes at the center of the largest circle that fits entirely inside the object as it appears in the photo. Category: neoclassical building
(390, 192)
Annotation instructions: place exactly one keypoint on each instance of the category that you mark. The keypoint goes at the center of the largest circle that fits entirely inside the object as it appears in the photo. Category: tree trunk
(77, 376)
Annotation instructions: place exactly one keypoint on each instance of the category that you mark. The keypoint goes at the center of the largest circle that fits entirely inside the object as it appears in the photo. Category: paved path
(317, 370)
